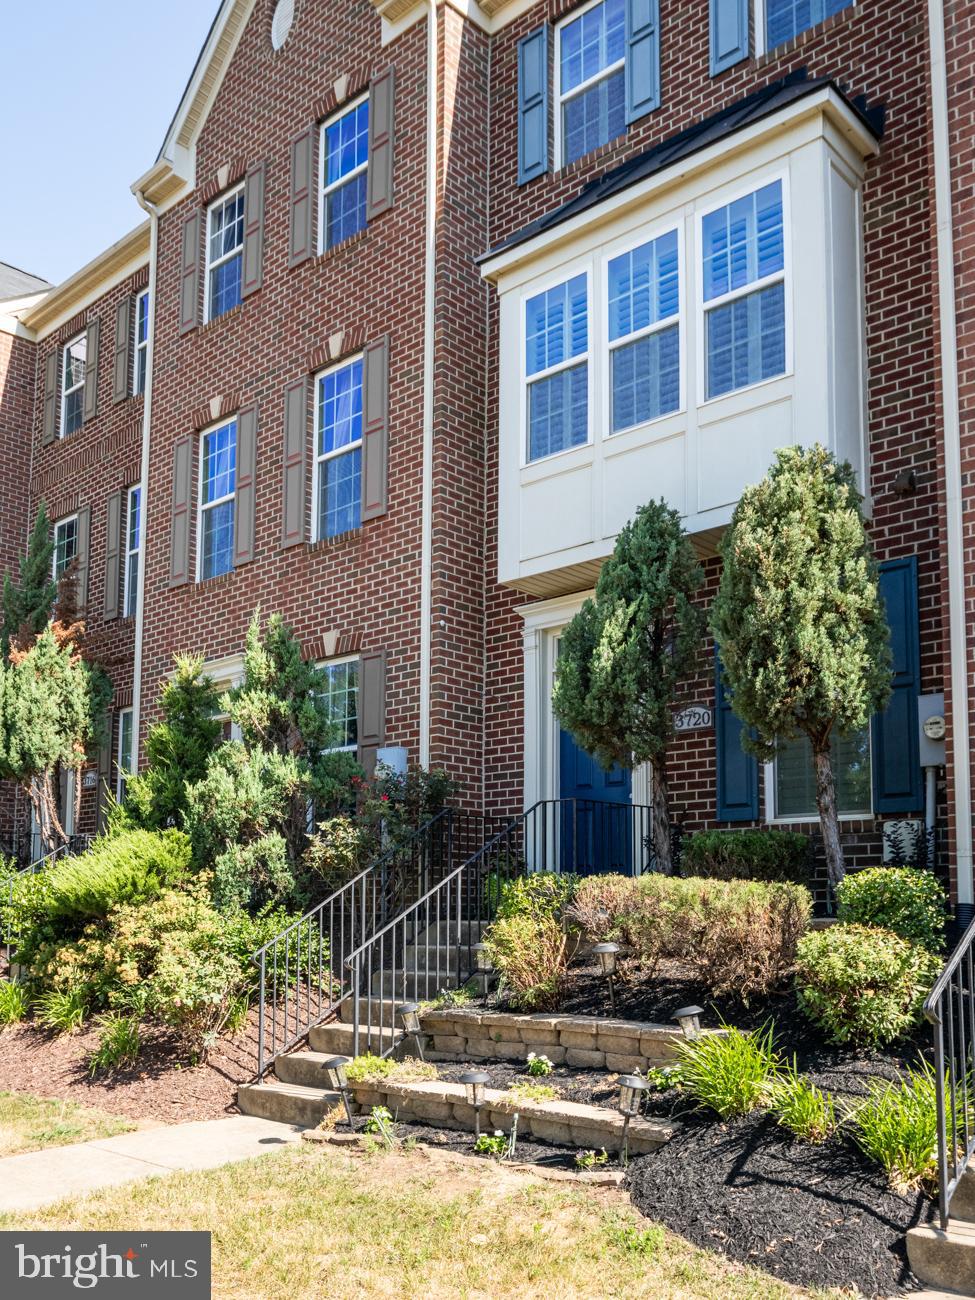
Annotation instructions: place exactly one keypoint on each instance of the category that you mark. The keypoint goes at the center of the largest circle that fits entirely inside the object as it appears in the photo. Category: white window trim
(65, 390)
(772, 816)
(560, 99)
(723, 199)
(120, 772)
(608, 346)
(62, 523)
(211, 266)
(323, 189)
(317, 459)
(321, 666)
(138, 347)
(131, 553)
(219, 501)
(562, 276)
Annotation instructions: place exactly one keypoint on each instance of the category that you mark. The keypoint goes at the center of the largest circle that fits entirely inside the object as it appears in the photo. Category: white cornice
(490, 15)
(93, 281)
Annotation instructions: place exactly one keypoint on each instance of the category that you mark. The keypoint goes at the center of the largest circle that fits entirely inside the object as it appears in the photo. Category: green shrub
(13, 1003)
(126, 868)
(909, 901)
(898, 1127)
(63, 1010)
(337, 852)
(529, 954)
(861, 985)
(799, 1106)
(118, 1044)
(601, 903)
(537, 894)
(777, 856)
(731, 1072)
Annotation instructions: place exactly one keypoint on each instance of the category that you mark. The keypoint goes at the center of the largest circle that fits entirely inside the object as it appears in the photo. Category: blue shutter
(729, 34)
(896, 757)
(533, 104)
(737, 771)
(642, 58)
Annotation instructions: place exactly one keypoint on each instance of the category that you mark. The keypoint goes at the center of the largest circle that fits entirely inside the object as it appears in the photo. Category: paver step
(414, 986)
(452, 932)
(290, 1103)
(336, 1039)
(944, 1259)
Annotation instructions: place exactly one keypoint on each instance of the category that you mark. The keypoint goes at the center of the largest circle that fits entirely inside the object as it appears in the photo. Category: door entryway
(597, 826)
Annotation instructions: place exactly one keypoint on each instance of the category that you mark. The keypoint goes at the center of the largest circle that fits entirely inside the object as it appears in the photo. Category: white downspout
(429, 308)
(140, 601)
(947, 325)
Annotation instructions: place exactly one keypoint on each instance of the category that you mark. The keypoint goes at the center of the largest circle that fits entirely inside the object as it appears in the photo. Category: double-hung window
(218, 474)
(743, 250)
(590, 62)
(795, 777)
(644, 332)
(345, 159)
(225, 253)
(557, 367)
(141, 342)
(338, 450)
(124, 760)
(73, 384)
(785, 19)
(340, 688)
(65, 545)
(133, 540)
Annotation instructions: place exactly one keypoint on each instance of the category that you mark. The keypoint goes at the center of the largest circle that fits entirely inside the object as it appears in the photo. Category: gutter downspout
(429, 335)
(947, 324)
(140, 605)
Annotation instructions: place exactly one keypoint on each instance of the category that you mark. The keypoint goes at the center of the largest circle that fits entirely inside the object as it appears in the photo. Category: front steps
(946, 1260)
(291, 1103)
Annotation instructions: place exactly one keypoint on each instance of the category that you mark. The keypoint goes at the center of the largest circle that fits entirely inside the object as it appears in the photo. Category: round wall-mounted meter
(934, 728)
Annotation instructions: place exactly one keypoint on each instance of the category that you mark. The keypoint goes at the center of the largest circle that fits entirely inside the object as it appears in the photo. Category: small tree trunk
(828, 817)
(661, 818)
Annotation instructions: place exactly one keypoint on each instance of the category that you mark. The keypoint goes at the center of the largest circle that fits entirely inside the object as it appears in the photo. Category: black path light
(475, 1082)
(632, 1088)
(607, 953)
(410, 1015)
(334, 1069)
(689, 1019)
(484, 965)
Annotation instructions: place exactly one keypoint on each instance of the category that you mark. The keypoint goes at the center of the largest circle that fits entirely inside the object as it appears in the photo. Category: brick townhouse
(430, 297)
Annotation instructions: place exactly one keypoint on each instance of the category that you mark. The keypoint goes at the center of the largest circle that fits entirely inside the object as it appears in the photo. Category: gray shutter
(245, 480)
(84, 545)
(729, 34)
(533, 104)
(375, 428)
(382, 131)
(106, 754)
(189, 281)
(123, 344)
(295, 454)
(91, 371)
(51, 396)
(180, 512)
(642, 57)
(372, 707)
(253, 274)
(113, 555)
(302, 197)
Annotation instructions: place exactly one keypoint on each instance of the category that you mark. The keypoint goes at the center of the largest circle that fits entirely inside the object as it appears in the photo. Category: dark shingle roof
(753, 108)
(14, 283)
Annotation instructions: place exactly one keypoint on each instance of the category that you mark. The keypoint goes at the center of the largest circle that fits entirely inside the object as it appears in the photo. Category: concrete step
(305, 1069)
(335, 1039)
(944, 1259)
(450, 932)
(410, 986)
(436, 957)
(291, 1103)
(368, 1011)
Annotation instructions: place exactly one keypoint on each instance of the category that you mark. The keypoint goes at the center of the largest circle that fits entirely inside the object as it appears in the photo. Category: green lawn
(32, 1123)
(323, 1222)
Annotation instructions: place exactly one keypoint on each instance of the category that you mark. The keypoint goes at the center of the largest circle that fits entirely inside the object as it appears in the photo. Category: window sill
(338, 542)
(327, 254)
(217, 321)
(567, 170)
(215, 581)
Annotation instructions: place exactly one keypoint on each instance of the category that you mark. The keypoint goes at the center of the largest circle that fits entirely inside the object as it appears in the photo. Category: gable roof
(15, 283)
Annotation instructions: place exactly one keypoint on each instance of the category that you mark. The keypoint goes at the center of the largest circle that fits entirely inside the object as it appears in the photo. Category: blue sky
(89, 91)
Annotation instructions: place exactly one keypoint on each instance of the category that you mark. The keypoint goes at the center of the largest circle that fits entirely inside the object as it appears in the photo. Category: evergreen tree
(623, 655)
(799, 618)
(27, 605)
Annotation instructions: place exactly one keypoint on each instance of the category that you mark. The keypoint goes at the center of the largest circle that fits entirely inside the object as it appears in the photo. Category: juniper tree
(799, 618)
(27, 604)
(624, 654)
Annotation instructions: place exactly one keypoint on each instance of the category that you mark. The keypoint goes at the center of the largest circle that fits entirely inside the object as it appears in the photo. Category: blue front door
(596, 822)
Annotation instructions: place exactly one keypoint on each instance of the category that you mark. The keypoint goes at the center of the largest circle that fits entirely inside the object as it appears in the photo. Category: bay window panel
(644, 286)
(558, 412)
(557, 325)
(645, 379)
(744, 241)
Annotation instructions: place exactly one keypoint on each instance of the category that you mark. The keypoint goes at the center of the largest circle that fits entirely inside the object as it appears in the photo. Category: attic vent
(284, 16)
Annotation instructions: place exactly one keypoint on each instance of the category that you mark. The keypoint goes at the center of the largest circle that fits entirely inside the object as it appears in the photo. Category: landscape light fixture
(334, 1069)
(689, 1019)
(474, 1082)
(484, 966)
(606, 954)
(410, 1015)
(632, 1088)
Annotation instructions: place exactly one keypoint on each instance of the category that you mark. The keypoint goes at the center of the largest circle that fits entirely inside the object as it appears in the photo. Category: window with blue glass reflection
(339, 449)
(345, 159)
(225, 254)
(644, 332)
(592, 79)
(556, 351)
(218, 471)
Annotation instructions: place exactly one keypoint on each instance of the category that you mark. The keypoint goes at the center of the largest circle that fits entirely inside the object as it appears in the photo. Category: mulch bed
(591, 1087)
(526, 1152)
(812, 1216)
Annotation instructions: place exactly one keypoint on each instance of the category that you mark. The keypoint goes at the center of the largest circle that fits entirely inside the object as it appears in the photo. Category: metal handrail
(950, 1008)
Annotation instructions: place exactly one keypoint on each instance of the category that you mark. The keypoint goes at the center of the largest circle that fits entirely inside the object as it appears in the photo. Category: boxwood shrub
(748, 855)
(907, 900)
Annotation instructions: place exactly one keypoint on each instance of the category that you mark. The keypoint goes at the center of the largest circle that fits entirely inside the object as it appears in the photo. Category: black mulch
(591, 1087)
(812, 1216)
(545, 1154)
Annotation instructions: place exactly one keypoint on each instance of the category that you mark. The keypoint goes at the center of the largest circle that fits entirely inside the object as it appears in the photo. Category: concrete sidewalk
(42, 1177)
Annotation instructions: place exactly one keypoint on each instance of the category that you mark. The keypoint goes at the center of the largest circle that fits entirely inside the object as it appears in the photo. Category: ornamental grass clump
(799, 1106)
(13, 1003)
(907, 900)
(529, 954)
(731, 1072)
(898, 1127)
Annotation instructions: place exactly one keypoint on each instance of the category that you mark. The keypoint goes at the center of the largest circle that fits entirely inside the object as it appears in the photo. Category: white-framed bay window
(345, 160)
(140, 346)
(224, 254)
(340, 690)
(218, 485)
(65, 545)
(790, 779)
(337, 487)
(73, 359)
(133, 542)
(590, 59)
(556, 367)
(778, 21)
(744, 290)
(124, 755)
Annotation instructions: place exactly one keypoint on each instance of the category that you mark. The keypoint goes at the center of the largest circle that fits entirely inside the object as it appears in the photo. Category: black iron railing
(950, 1007)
